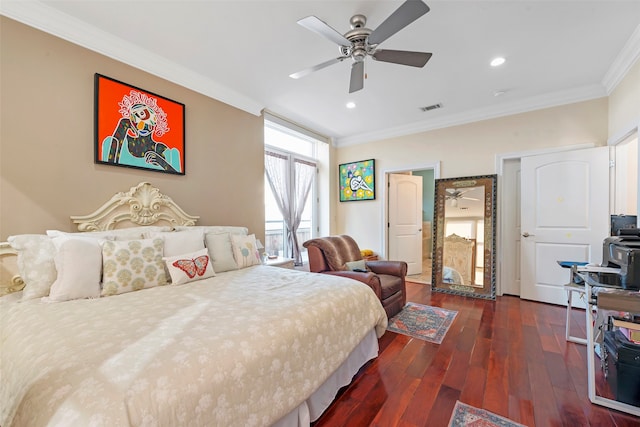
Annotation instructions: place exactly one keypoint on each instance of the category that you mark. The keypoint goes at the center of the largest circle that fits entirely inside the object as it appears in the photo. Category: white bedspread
(239, 349)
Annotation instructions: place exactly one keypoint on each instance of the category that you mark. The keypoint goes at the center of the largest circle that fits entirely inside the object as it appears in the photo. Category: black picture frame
(136, 128)
(357, 180)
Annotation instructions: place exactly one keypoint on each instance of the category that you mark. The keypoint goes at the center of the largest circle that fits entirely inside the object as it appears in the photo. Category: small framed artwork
(357, 181)
(138, 129)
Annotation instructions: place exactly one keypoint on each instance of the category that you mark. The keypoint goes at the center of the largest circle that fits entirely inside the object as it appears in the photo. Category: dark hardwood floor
(507, 356)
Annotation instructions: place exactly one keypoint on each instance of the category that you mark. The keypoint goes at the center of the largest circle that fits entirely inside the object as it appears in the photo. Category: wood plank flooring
(507, 356)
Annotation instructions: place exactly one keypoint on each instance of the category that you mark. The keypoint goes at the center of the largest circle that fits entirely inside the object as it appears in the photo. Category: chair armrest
(368, 279)
(393, 268)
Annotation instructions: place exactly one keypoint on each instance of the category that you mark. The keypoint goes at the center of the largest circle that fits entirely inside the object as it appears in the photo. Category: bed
(250, 346)
(451, 276)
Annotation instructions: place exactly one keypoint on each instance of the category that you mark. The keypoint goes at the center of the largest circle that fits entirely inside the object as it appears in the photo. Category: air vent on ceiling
(431, 107)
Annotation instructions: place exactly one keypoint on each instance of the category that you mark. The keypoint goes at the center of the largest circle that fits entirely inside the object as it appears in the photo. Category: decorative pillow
(216, 229)
(356, 265)
(189, 267)
(220, 251)
(116, 234)
(131, 265)
(180, 243)
(79, 263)
(245, 250)
(35, 263)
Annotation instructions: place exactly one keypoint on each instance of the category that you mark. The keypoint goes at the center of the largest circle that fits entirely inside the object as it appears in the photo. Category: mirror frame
(489, 182)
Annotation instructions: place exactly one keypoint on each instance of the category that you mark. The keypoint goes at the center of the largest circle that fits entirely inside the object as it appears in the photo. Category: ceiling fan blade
(408, 12)
(357, 76)
(414, 59)
(310, 70)
(318, 26)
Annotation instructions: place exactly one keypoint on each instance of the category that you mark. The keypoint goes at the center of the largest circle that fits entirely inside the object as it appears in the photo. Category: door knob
(525, 234)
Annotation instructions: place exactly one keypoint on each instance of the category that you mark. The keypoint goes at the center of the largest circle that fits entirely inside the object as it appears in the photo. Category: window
(290, 191)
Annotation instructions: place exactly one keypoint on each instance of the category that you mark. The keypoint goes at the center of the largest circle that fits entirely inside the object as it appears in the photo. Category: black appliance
(622, 364)
(622, 252)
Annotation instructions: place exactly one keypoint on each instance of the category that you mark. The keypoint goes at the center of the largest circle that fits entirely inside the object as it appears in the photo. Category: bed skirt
(311, 409)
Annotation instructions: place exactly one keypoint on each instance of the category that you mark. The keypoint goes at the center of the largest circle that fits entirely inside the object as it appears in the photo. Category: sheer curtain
(290, 194)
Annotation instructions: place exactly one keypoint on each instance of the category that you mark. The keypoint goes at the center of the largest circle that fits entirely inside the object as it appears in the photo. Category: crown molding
(626, 58)
(530, 104)
(50, 20)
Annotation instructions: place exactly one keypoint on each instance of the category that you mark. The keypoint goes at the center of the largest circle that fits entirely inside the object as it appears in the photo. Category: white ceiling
(242, 52)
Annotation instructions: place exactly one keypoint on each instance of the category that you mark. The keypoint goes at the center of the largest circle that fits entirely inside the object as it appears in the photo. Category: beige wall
(624, 103)
(465, 150)
(46, 141)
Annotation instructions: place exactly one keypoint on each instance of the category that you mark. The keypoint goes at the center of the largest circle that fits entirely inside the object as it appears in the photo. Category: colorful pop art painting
(138, 129)
(357, 181)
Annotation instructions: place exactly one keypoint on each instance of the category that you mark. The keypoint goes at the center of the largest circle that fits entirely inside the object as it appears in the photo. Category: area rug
(423, 322)
(465, 415)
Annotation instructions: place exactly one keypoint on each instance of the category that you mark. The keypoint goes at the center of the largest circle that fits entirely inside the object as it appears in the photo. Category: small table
(591, 284)
(578, 287)
(279, 262)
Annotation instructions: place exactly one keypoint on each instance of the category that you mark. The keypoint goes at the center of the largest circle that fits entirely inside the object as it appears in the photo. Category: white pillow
(131, 265)
(217, 229)
(116, 234)
(220, 251)
(78, 263)
(245, 250)
(36, 263)
(189, 267)
(183, 242)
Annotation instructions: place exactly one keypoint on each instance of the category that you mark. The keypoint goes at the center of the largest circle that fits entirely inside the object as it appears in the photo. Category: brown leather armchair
(329, 255)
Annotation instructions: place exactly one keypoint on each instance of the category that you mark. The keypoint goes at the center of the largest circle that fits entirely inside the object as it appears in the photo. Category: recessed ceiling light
(496, 62)
(351, 105)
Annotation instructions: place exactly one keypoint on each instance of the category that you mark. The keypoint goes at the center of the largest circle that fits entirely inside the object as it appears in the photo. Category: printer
(623, 252)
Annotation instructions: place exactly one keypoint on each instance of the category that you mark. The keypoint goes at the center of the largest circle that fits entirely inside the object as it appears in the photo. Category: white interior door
(565, 216)
(511, 228)
(405, 220)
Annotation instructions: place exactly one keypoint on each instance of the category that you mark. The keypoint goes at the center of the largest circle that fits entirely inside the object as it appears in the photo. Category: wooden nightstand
(279, 262)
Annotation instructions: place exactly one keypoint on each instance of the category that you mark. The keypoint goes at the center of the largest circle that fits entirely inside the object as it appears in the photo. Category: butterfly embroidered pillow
(189, 267)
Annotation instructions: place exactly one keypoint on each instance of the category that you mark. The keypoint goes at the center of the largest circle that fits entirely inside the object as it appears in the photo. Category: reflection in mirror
(464, 239)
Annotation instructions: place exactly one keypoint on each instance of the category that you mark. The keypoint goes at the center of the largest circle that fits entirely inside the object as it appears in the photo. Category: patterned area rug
(465, 415)
(423, 322)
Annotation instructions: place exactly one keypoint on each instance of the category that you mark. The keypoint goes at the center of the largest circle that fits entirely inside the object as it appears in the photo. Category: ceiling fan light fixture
(351, 105)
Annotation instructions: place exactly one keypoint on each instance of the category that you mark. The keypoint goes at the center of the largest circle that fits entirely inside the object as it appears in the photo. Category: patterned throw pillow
(189, 267)
(131, 265)
(245, 250)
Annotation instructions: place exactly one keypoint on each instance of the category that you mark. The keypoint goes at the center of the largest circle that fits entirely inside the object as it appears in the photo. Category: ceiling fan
(455, 195)
(360, 42)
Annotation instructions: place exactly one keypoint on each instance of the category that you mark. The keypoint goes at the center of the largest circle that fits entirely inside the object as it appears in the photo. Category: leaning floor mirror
(464, 238)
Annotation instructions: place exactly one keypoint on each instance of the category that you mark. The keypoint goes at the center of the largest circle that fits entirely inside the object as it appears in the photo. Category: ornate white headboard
(142, 205)
(459, 253)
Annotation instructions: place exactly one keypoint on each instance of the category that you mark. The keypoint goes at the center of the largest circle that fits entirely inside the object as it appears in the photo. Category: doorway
(424, 223)
(534, 266)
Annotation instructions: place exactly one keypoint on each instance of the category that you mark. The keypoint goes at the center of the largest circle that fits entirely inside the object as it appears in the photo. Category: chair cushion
(390, 285)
